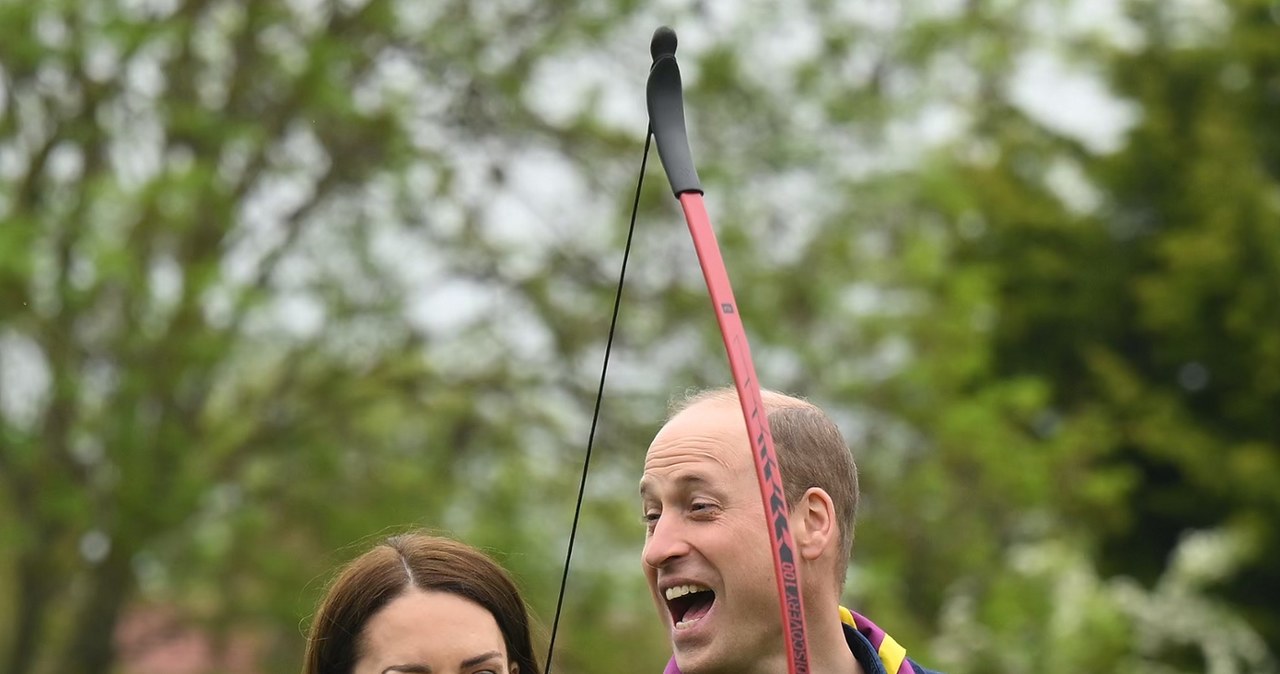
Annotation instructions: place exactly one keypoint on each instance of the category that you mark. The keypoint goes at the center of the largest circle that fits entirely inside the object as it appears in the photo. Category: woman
(416, 604)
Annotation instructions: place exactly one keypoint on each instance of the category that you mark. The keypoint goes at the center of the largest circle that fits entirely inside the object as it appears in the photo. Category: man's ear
(813, 523)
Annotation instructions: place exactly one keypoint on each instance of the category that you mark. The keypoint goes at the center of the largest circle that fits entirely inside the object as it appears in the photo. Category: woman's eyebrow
(473, 661)
(424, 669)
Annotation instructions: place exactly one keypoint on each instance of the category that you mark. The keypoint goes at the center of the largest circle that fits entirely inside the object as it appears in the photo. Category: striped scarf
(892, 655)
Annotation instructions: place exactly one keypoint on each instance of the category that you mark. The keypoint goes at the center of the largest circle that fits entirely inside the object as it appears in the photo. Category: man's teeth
(682, 590)
(681, 624)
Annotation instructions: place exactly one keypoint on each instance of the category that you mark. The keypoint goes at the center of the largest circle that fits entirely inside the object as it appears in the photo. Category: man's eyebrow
(475, 660)
(684, 481)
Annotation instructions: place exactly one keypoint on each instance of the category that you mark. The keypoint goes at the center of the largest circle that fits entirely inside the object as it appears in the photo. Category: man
(707, 553)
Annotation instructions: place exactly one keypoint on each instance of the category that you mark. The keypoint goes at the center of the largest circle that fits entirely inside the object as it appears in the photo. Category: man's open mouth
(689, 603)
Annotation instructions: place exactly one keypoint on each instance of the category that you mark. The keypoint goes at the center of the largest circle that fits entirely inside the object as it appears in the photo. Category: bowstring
(595, 415)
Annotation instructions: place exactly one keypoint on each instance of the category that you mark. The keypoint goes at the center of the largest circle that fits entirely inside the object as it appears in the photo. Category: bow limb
(666, 114)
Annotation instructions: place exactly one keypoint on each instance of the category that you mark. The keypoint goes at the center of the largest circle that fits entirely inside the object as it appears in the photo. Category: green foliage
(278, 278)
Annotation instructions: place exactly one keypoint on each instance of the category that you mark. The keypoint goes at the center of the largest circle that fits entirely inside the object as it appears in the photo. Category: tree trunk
(34, 597)
(91, 647)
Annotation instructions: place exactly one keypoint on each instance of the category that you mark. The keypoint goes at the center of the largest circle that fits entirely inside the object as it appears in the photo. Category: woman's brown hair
(396, 564)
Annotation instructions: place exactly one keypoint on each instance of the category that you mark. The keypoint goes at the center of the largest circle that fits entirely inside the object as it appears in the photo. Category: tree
(1149, 312)
(213, 372)
(278, 277)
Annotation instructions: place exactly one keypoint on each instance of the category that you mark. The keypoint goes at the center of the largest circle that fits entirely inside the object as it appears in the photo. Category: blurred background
(279, 278)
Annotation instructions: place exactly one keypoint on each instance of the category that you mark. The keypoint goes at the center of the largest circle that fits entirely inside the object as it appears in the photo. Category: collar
(890, 654)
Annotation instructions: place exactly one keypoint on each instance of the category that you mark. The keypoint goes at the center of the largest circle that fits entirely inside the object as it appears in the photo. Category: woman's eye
(651, 518)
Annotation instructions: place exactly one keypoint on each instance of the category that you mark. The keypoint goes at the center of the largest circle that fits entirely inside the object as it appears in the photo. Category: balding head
(811, 453)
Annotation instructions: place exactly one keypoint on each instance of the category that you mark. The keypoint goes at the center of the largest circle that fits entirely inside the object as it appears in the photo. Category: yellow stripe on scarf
(891, 652)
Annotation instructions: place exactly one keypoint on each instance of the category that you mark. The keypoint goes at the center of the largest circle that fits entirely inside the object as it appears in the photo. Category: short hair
(430, 563)
(811, 453)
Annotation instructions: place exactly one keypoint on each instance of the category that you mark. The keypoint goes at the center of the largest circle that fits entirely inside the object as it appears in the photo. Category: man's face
(706, 533)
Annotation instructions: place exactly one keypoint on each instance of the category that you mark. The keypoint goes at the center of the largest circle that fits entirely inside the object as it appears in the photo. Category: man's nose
(665, 543)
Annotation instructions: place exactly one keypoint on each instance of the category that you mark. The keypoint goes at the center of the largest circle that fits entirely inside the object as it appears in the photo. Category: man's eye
(701, 507)
(651, 518)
